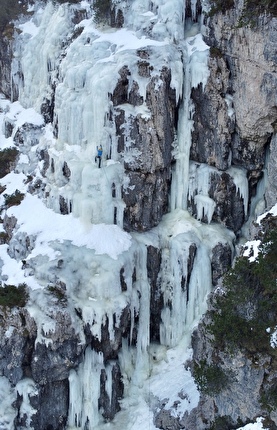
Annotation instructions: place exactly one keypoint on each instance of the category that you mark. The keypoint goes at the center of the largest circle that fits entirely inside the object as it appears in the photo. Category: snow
(7, 397)
(272, 211)
(50, 226)
(273, 338)
(29, 27)
(13, 181)
(122, 39)
(258, 425)
(251, 249)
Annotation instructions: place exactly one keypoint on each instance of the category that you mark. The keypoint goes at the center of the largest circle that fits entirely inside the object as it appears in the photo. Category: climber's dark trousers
(99, 161)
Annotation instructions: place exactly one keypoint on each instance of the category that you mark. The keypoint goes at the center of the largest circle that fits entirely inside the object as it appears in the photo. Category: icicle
(241, 183)
(199, 185)
(75, 399)
(199, 286)
(26, 388)
(205, 207)
(193, 4)
(173, 284)
(109, 380)
(84, 392)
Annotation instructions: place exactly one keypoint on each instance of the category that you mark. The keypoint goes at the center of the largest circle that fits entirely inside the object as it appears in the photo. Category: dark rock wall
(235, 115)
(152, 138)
(6, 48)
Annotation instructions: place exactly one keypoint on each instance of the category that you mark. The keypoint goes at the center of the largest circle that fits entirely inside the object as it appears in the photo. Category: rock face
(235, 124)
(239, 399)
(94, 316)
(151, 142)
(24, 360)
(5, 62)
(236, 113)
(271, 191)
(212, 135)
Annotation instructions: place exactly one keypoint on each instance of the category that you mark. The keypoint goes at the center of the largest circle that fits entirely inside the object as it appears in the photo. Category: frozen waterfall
(106, 270)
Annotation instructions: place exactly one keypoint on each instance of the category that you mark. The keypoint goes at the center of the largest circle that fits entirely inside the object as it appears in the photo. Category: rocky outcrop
(271, 192)
(238, 398)
(147, 144)
(214, 126)
(6, 49)
(43, 356)
(236, 113)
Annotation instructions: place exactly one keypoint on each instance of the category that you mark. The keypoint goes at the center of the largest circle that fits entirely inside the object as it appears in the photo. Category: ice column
(195, 72)
(142, 285)
(184, 293)
(199, 184)
(179, 188)
(84, 390)
(200, 285)
(241, 183)
(173, 279)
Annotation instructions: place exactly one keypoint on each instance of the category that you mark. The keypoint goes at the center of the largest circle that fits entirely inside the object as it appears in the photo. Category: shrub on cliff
(246, 313)
(7, 159)
(102, 10)
(220, 6)
(9, 10)
(251, 9)
(13, 199)
(210, 379)
(12, 296)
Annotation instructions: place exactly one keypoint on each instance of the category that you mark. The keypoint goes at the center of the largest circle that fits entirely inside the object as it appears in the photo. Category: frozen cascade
(53, 29)
(175, 292)
(84, 117)
(184, 295)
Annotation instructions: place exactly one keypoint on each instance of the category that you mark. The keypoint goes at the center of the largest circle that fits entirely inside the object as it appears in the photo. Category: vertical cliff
(236, 126)
(115, 264)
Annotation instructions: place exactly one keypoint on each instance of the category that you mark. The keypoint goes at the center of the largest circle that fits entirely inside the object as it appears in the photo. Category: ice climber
(99, 155)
